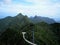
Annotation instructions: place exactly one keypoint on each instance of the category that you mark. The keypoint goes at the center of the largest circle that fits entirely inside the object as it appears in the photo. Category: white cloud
(47, 8)
(7, 1)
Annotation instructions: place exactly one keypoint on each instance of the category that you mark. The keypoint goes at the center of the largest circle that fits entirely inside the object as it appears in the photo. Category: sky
(45, 8)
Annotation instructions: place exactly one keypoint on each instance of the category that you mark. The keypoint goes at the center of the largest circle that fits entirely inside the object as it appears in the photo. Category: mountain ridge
(11, 29)
(38, 18)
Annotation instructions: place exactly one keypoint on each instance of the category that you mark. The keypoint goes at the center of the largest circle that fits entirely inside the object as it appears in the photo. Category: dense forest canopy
(46, 30)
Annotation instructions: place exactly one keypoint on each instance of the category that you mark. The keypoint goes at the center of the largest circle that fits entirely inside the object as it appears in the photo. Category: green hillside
(11, 29)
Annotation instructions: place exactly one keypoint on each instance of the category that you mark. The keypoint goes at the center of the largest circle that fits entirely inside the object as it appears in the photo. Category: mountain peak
(37, 19)
(19, 15)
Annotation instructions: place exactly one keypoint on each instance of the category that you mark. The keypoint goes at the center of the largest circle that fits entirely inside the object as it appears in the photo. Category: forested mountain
(21, 20)
(15, 22)
(37, 19)
(45, 33)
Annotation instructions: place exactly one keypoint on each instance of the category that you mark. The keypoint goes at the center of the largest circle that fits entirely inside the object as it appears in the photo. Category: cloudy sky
(46, 8)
